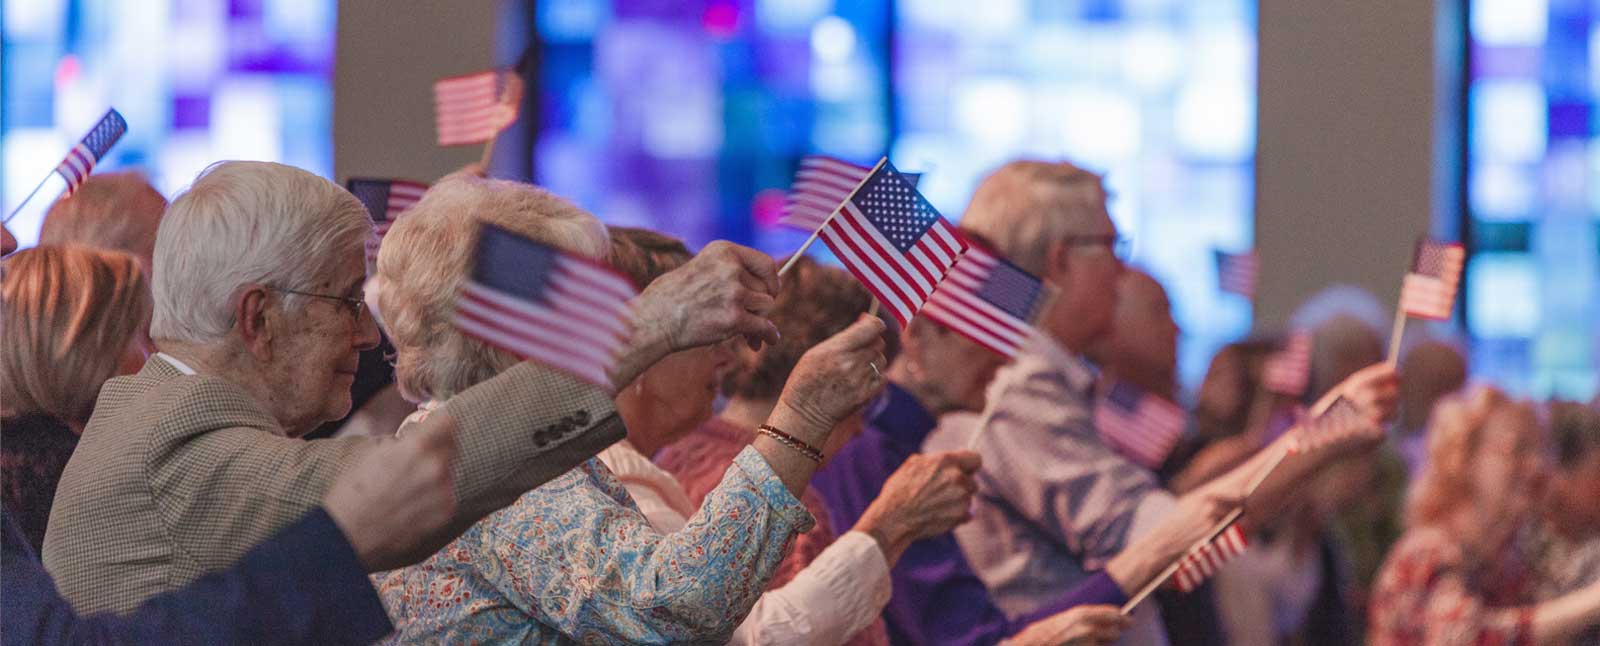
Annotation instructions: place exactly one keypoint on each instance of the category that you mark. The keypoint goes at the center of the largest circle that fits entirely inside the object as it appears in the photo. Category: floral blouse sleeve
(1423, 597)
(594, 569)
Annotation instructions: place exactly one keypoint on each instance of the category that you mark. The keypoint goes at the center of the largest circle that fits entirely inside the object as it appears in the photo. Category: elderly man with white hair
(259, 317)
(1055, 501)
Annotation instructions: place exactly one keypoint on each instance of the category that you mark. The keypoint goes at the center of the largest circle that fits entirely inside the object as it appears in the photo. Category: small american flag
(1200, 564)
(1429, 289)
(386, 199)
(1236, 272)
(893, 241)
(1140, 426)
(821, 185)
(1287, 371)
(1341, 421)
(539, 303)
(989, 300)
(474, 108)
(81, 159)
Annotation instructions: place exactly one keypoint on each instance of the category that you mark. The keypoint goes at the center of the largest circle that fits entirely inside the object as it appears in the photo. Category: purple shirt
(937, 597)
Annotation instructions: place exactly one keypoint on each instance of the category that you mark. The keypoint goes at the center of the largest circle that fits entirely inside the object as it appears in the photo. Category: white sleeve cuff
(841, 592)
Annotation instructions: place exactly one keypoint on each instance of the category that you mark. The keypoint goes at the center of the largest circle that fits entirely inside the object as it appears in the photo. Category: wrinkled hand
(396, 503)
(1077, 626)
(1198, 512)
(1375, 390)
(927, 496)
(833, 379)
(724, 291)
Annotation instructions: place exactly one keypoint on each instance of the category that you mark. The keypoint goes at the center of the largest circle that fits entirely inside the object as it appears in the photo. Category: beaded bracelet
(792, 442)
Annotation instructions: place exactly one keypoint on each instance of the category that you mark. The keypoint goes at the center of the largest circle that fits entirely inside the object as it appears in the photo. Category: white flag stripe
(864, 230)
(888, 297)
(521, 346)
(487, 303)
(861, 234)
(611, 283)
(982, 335)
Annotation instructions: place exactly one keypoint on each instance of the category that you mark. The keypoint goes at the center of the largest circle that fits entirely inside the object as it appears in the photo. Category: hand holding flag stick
(1333, 419)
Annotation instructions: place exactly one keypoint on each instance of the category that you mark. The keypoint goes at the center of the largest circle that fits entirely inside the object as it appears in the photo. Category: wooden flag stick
(873, 311)
(1398, 333)
(1280, 454)
(25, 200)
(488, 153)
(792, 259)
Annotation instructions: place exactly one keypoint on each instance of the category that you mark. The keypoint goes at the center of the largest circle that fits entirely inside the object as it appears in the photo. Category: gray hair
(426, 255)
(1025, 206)
(245, 222)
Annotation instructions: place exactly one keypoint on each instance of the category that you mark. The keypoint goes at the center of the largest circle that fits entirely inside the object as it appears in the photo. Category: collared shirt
(174, 362)
(573, 561)
(1054, 503)
(937, 597)
(836, 596)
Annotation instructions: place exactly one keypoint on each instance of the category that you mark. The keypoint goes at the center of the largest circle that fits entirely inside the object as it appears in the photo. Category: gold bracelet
(792, 442)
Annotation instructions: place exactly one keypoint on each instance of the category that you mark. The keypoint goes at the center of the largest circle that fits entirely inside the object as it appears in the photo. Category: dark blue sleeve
(303, 586)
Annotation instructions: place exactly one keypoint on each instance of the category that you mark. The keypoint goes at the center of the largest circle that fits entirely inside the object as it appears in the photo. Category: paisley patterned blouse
(574, 561)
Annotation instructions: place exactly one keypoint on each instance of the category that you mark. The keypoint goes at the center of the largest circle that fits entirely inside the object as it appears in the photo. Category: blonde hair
(425, 256)
(1024, 207)
(248, 222)
(118, 211)
(1455, 431)
(69, 313)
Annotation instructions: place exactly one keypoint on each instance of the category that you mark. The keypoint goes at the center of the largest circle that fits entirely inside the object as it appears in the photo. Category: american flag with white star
(540, 303)
(386, 199)
(474, 108)
(1201, 564)
(821, 185)
(1236, 272)
(1429, 289)
(80, 161)
(1140, 426)
(988, 300)
(893, 241)
(1287, 371)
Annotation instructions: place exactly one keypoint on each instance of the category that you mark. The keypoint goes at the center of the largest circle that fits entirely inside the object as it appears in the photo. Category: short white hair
(426, 255)
(1025, 206)
(245, 222)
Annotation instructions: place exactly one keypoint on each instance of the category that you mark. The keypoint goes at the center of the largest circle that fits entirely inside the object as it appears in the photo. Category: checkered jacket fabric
(178, 475)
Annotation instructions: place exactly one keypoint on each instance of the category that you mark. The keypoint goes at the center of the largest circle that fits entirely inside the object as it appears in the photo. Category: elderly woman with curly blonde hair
(574, 561)
(1448, 581)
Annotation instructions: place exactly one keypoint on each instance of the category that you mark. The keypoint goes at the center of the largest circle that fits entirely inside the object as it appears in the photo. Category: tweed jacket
(178, 475)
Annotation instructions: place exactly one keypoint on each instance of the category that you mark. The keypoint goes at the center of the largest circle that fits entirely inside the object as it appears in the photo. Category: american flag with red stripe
(1340, 422)
(80, 161)
(1429, 289)
(386, 199)
(1236, 272)
(893, 241)
(1201, 564)
(474, 108)
(539, 303)
(1288, 370)
(989, 300)
(820, 186)
(1140, 426)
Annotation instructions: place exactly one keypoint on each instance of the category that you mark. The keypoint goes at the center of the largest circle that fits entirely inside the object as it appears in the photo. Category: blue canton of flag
(988, 300)
(893, 241)
(80, 161)
(539, 303)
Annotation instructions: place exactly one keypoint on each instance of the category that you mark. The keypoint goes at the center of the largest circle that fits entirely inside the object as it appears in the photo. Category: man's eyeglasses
(1119, 246)
(355, 306)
